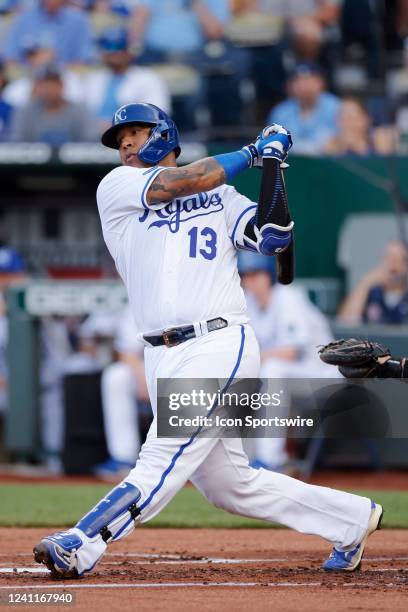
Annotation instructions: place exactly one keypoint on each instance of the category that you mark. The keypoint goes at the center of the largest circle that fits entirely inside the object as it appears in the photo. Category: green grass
(57, 505)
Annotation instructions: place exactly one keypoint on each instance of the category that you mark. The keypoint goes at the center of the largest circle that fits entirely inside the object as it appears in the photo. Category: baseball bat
(286, 265)
(280, 216)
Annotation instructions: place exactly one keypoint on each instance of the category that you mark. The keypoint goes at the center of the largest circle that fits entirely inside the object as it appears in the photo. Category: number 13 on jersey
(209, 250)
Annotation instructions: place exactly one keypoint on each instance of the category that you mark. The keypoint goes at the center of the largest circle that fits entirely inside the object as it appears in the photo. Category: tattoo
(199, 176)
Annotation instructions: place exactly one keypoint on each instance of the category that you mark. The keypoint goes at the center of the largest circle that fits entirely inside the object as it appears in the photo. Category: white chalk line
(164, 561)
(185, 559)
(43, 570)
(178, 585)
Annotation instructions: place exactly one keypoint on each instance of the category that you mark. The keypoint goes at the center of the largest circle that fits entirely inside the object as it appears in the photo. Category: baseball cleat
(350, 561)
(67, 554)
(58, 553)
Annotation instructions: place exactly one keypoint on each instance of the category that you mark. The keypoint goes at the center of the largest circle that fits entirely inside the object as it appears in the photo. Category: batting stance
(173, 233)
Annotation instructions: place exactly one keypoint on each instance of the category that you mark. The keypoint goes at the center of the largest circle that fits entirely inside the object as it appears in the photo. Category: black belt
(177, 335)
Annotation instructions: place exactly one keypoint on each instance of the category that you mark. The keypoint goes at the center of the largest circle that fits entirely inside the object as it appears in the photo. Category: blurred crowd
(335, 72)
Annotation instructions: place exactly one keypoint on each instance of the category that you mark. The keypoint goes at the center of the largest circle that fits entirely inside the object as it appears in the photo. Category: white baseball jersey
(178, 262)
(177, 258)
(290, 319)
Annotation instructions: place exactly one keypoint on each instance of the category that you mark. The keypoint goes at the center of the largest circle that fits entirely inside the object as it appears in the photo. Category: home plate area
(237, 566)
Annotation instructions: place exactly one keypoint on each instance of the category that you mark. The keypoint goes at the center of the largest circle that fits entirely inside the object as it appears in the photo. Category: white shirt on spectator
(18, 92)
(139, 85)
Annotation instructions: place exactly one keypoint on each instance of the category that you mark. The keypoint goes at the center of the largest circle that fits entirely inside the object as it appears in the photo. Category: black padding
(84, 439)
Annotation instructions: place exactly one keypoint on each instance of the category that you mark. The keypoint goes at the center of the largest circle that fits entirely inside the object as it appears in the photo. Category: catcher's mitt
(358, 358)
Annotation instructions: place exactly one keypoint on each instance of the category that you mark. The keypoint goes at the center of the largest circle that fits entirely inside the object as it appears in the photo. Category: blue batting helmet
(253, 262)
(163, 138)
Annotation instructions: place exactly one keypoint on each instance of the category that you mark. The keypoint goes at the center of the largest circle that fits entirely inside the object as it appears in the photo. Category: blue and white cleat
(350, 561)
(69, 554)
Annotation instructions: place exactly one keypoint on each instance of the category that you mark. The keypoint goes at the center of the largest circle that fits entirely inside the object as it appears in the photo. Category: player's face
(395, 262)
(258, 284)
(130, 140)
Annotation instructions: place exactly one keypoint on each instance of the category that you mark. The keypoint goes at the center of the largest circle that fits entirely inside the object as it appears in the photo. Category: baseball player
(173, 233)
(124, 393)
(288, 328)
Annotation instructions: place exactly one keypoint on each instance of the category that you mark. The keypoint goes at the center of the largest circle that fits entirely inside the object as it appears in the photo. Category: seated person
(288, 328)
(56, 120)
(310, 23)
(193, 34)
(382, 294)
(118, 82)
(38, 54)
(310, 112)
(178, 28)
(356, 136)
(53, 23)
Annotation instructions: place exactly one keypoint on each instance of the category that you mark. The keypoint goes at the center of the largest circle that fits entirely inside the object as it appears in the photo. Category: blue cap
(11, 261)
(253, 262)
(306, 69)
(113, 39)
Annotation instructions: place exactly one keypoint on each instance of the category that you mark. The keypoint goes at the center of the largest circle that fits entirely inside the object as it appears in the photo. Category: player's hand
(275, 142)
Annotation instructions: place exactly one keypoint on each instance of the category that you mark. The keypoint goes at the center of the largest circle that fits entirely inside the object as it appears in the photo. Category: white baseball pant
(219, 467)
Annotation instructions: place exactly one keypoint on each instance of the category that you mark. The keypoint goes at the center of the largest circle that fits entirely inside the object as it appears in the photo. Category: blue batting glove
(274, 141)
(252, 154)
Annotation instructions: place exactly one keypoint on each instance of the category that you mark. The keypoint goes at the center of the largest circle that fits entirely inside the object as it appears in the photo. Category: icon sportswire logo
(179, 210)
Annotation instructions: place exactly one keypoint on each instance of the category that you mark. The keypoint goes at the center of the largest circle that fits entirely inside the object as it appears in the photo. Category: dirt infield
(203, 569)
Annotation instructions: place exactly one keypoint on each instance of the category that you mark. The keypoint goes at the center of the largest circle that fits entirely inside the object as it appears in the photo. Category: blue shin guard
(114, 516)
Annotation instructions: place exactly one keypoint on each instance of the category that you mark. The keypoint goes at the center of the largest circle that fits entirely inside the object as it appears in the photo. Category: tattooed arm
(199, 176)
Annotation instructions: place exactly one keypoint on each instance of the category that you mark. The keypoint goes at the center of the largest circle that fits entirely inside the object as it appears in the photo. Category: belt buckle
(167, 340)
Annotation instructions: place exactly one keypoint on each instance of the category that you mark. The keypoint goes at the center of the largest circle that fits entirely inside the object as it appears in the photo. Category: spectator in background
(260, 28)
(107, 88)
(105, 14)
(18, 92)
(51, 24)
(382, 295)
(49, 117)
(5, 108)
(124, 398)
(288, 328)
(356, 136)
(193, 32)
(310, 22)
(310, 112)
(164, 28)
(279, 34)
